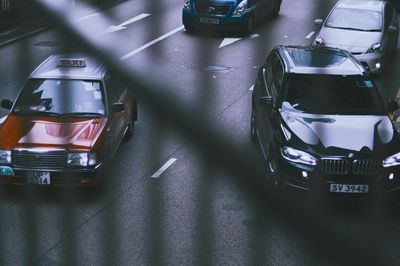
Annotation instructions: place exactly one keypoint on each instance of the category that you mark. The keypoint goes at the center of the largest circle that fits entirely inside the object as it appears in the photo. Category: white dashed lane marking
(251, 88)
(123, 25)
(147, 45)
(163, 168)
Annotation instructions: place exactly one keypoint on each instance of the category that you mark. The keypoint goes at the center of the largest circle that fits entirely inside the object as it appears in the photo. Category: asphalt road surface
(164, 202)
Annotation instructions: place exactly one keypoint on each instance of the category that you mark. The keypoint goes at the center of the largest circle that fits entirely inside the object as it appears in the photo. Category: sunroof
(313, 58)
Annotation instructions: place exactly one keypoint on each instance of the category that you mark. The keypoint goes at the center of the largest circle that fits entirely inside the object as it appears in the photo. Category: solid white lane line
(163, 168)
(123, 25)
(86, 17)
(310, 35)
(251, 88)
(147, 45)
(228, 41)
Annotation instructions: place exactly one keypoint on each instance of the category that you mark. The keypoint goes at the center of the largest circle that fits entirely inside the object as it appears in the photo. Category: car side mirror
(266, 101)
(318, 22)
(117, 107)
(7, 104)
(392, 106)
(392, 29)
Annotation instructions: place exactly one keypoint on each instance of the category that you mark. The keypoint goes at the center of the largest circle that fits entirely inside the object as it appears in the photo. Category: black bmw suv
(322, 124)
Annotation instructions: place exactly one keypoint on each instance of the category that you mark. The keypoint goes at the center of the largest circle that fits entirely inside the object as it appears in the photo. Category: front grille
(211, 9)
(365, 167)
(39, 160)
(335, 166)
(343, 166)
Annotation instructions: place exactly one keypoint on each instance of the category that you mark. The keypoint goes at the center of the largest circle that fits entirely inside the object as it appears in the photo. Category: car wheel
(188, 29)
(131, 126)
(274, 179)
(253, 126)
(249, 26)
(277, 8)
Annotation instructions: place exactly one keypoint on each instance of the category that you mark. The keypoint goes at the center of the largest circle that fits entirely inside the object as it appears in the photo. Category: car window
(61, 96)
(277, 77)
(355, 19)
(114, 89)
(326, 94)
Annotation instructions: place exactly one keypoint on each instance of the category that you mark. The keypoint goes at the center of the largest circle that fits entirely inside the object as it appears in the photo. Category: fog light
(391, 176)
(304, 174)
(378, 65)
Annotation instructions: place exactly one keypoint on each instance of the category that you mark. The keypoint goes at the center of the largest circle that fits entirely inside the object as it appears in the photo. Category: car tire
(253, 126)
(249, 26)
(188, 29)
(277, 9)
(273, 175)
(131, 126)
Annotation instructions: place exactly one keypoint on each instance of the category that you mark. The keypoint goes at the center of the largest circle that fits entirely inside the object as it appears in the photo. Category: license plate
(38, 178)
(209, 20)
(345, 188)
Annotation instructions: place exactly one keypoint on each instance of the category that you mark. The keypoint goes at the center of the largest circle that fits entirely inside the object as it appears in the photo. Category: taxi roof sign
(72, 62)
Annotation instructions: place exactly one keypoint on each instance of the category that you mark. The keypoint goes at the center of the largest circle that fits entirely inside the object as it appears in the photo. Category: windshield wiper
(35, 112)
(86, 114)
(350, 28)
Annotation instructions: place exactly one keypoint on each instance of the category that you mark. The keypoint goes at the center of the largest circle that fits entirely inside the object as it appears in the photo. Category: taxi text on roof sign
(72, 62)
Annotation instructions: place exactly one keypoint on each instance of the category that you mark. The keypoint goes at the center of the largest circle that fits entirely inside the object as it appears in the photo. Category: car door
(117, 122)
(271, 84)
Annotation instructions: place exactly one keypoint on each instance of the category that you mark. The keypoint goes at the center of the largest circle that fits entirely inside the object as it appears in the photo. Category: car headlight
(239, 10)
(376, 47)
(187, 6)
(81, 158)
(392, 160)
(319, 41)
(5, 156)
(298, 156)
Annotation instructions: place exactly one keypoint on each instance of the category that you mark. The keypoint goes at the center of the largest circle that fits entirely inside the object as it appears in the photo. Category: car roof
(319, 60)
(69, 66)
(372, 5)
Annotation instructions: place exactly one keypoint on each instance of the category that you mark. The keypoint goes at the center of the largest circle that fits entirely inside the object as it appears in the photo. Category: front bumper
(225, 22)
(58, 177)
(312, 179)
(373, 61)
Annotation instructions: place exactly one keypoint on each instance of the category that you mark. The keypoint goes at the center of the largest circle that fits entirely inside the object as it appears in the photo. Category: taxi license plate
(345, 188)
(209, 20)
(38, 178)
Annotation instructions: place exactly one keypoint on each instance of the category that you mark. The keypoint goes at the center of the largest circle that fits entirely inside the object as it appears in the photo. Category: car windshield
(326, 94)
(355, 19)
(61, 97)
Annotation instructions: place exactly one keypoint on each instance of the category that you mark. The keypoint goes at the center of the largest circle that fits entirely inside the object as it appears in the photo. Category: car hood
(336, 135)
(218, 2)
(71, 133)
(351, 40)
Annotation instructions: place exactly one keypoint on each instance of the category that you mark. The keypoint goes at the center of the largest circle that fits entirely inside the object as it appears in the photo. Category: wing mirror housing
(392, 106)
(117, 107)
(6, 104)
(266, 101)
(318, 22)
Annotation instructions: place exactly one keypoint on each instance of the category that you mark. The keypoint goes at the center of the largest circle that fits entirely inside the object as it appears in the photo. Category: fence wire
(215, 146)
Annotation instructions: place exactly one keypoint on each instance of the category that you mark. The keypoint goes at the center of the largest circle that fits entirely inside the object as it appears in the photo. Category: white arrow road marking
(163, 168)
(254, 35)
(228, 41)
(251, 88)
(123, 25)
(310, 35)
(87, 17)
(147, 45)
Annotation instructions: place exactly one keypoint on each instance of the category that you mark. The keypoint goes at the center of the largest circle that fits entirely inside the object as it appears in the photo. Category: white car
(368, 29)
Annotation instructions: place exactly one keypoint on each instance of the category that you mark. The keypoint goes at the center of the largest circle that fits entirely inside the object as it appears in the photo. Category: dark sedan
(322, 124)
